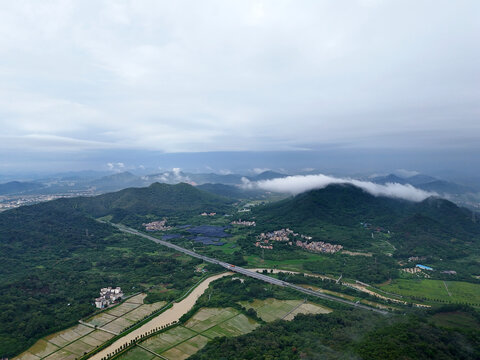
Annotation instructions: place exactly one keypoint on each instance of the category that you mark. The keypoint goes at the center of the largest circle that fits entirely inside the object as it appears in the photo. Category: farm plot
(137, 354)
(144, 310)
(72, 343)
(273, 309)
(184, 341)
(118, 325)
(436, 290)
(122, 309)
(307, 308)
(65, 337)
(39, 350)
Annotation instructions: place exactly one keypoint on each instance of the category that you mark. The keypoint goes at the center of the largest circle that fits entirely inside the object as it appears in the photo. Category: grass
(272, 309)
(291, 264)
(435, 290)
(137, 354)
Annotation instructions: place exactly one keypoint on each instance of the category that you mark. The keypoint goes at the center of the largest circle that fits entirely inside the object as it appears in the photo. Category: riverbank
(167, 317)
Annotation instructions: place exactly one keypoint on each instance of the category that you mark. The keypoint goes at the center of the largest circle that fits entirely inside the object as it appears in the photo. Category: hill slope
(16, 187)
(157, 199)
(433, 226)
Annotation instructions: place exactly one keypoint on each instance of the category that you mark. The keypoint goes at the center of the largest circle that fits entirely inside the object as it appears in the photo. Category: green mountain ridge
(417, 228)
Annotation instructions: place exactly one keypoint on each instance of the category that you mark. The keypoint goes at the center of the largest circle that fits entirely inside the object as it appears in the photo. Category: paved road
(246, 272)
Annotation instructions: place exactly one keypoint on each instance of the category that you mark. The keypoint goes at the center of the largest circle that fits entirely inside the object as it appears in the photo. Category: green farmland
(184, 341)
(436, 290)
(73, 342)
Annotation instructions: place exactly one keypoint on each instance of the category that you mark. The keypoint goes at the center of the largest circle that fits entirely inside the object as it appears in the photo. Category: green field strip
(137, 353)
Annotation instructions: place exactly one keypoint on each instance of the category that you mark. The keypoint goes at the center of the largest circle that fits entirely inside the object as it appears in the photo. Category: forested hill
(55, 257)
(157, 199)
(431, 225)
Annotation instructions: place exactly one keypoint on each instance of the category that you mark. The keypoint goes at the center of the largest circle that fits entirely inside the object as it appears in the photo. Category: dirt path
(167, 317)
(446, 288)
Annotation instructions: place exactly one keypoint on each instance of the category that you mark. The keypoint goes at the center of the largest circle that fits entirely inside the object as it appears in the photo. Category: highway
(246, 272)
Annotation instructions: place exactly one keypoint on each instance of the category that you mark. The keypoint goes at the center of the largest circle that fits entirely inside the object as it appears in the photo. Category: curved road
(246, 272)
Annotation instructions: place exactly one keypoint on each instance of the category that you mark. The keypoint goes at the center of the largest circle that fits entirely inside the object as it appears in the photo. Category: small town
(284, 235)
(108, 296)
(243, 223)
(157, 226)
(319, 246)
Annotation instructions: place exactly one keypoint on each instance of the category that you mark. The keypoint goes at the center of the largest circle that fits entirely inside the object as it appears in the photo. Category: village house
(285, 235)
(157, 226)
(244, 223)
(208, 214)
(319, 246)
(108, 296)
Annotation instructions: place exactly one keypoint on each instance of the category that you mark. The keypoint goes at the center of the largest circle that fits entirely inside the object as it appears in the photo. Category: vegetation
(56, 256)
(55, 262)
(354, 335)
(434, 228)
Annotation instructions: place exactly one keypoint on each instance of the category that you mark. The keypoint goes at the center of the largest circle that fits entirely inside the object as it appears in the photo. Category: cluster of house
(208, 214)
(319, 246)
(416, 258)
(420, 267)
(244, 223)
(157, 226)
(284, 235)
(108, 296)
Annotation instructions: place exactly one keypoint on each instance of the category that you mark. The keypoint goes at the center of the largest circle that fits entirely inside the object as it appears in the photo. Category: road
(246, 272)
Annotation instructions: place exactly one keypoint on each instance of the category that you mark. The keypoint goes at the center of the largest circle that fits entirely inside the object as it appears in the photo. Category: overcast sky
(193, 76)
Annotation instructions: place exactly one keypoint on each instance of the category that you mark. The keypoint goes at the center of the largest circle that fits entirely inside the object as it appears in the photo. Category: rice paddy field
(436, 290)
(272, 309)
(185, 340)
(73, 342)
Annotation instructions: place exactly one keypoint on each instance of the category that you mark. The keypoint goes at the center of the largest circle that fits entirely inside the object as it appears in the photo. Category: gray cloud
(298, 184)
(239, 75)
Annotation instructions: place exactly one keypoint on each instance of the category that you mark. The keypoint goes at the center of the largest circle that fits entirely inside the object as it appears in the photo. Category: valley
(105, 239)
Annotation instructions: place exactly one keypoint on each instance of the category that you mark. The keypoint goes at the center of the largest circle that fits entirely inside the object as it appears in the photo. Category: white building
(108, 296)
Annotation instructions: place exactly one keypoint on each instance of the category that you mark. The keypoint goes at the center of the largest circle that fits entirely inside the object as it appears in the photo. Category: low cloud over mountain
(298, 184)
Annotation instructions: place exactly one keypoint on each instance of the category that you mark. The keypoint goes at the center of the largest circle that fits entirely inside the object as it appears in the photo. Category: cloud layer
(298, 184)
(237, 75)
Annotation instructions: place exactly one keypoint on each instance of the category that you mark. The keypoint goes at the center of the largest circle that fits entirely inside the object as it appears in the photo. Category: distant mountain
(231, 191)
(445, 187)
(335, 213)
(391, 178)
(228, 179)
(267, 175)
(175, 177)
(425, 182)
(18, 187)
(117, 181)
(420, 179)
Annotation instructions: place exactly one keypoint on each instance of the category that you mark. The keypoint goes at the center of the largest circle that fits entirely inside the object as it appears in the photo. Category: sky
(88, 83)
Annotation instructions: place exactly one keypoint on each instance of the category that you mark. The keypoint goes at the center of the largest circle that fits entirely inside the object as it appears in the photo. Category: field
(273, 309)
(290, 264)
(436, 290)
(183, 341)
(68, 344)
(71, 343)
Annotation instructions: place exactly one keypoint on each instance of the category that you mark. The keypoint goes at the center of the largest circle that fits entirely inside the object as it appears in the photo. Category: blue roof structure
(423, 267)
